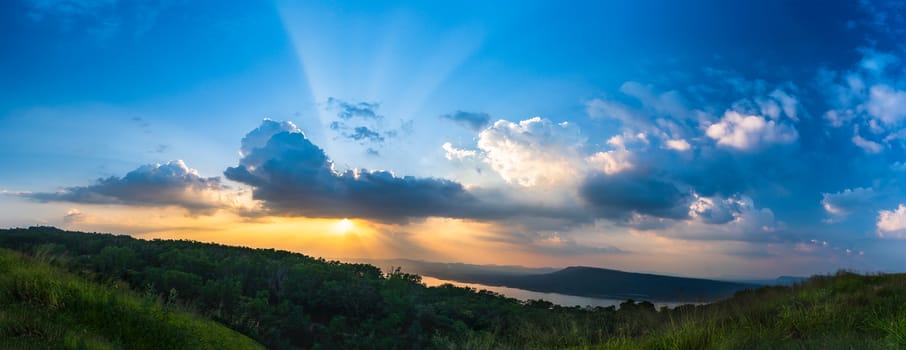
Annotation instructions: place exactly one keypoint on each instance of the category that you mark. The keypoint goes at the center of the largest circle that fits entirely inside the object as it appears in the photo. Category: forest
(286, 300)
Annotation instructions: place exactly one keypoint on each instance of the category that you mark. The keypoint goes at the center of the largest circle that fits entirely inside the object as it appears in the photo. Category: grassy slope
(341, 306)
(846, 311)
(43, 307)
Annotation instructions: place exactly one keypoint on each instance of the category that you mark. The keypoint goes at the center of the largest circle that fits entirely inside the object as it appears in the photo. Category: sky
(698, 138)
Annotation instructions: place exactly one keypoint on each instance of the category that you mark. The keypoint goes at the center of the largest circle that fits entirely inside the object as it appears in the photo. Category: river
(522, 294)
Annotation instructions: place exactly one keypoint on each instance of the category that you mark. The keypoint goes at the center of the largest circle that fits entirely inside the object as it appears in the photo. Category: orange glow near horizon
(430, 239)
(343, 226)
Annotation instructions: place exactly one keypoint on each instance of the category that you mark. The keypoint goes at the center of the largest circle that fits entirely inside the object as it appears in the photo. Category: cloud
(261, 135)
(669, 103)
(678, 145)
(663, 115)
(618, 195)
(613, 161)
(714, 210)
(840, 204)
(886, 104)
(360, 122)
(451, 152)
(558, 244)
(892, 223)
(361, 133)
(788, 103)
(471, 120)
(604, 109)
(735, 209)
(348, 110)
(865, 144)
(533, 152)
(73, 216)
(869, 95)
(294, 177)
(747, 132)
(170, 184)
(774, 105)
(733, 218)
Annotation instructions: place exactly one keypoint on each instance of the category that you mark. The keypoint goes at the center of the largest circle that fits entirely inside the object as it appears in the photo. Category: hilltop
(287, 300)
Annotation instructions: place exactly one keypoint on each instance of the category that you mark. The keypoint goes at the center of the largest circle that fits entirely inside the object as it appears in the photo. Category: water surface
(522, 294)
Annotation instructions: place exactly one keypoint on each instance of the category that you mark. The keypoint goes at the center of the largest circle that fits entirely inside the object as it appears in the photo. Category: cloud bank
(169, 184)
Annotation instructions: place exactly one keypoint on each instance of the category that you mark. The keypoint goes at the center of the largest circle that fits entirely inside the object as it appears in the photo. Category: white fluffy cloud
(533, 152)
(737, 209)
(892, 223)
(886, 104)
(452, 153)
(613, 161)
(868, 96)
(867, 145)
(733, 218)
(678, 145)
(259, 137)
(750, 131)
(72, 216)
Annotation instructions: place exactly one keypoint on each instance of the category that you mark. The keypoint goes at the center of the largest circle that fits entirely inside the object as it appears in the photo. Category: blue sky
(744, 138)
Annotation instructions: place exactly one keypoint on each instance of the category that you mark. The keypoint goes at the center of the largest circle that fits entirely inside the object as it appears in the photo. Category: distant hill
(614, 284)
(577, 280)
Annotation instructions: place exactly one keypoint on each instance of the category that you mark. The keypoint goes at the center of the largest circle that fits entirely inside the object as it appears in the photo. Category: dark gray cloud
(361, 123)
(293, 176)
(715, 212)
(172, 183)
(349, 110)
(618, 195)
(362, 133)
(472, 120)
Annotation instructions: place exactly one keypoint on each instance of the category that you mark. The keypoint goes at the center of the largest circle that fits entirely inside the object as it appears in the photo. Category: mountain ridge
(584, 281)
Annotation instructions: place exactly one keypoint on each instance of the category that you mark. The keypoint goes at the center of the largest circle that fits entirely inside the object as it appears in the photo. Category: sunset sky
(703, 138)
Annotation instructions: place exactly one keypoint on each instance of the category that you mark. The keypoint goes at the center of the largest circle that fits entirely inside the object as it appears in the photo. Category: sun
(343, 226)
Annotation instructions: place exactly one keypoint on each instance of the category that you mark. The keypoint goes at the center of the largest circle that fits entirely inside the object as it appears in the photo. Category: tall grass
(43, 307)
(845, 311)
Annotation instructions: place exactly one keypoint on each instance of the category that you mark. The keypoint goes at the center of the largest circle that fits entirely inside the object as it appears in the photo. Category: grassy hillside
(846, 311)
(291, 301)
(43, 307)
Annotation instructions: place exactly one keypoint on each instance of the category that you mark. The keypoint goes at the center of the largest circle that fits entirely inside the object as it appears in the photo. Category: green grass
(44, 307)
(846, 311)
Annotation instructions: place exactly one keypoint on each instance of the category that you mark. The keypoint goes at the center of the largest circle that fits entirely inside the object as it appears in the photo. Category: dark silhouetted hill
(577, 280)
(613, 284)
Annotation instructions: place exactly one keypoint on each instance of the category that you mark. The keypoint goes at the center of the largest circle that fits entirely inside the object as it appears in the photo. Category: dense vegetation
(845, 311)
(286, 300)
(42, 307)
